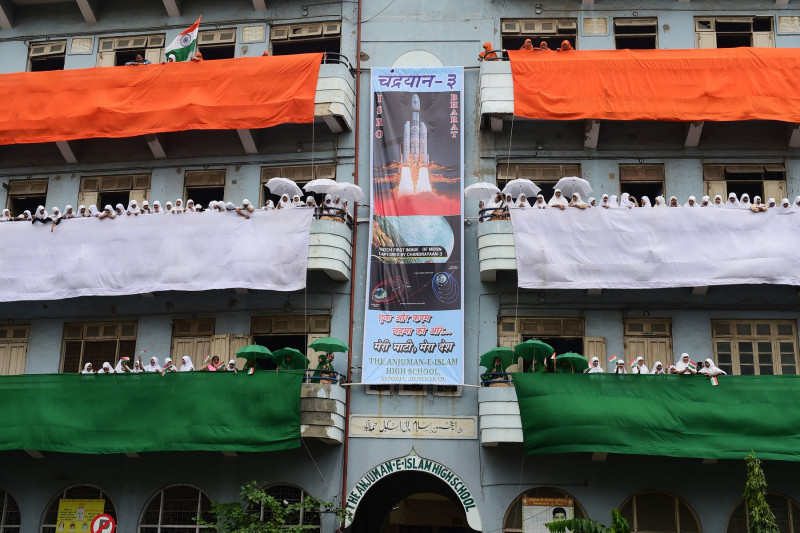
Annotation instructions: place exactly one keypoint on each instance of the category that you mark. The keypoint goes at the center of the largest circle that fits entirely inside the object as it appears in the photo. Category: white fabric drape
(135, 255)
(655, 248)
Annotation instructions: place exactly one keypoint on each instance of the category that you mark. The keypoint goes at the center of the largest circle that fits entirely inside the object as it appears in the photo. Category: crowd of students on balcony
(490, 54)
(499, 206)
(330, 209)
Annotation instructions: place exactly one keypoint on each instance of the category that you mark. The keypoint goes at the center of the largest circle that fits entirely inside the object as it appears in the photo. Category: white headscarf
(228, 367)
(26, 215)
(657, 370)
(120, 368)
(69, 212)
(311, 201)
(796, 204)
(604, 201)
(576, 199)
(178, 208)
(691, 202)
(612, 201)
(187, 365)
(86, 369)
(190, 206)
(660, 201)
(732, 203)
(675, 198)
(6, 215)
(712, 369)
(705, 201)
(744, 203)
(640, 369)
(41, 213)
(146, 208)
(772, 201)
(269, 206)
(595, 368)
(757, 202)
(624, 201)
(136, 369)
(284, 202)
(168, 207)
(540, 203)
(133, 208)
(152, 367)
(83, 212)
(646, 202)
(55, 214)
(785, 208)
(682, 365)
(109, 211)
(93, 212)
(620, 367)
(558, 199)
(106, 369)
(720, 204)
(247, 205)
(591, 202)
(167, 362)
(522, 201)
(297, 202)
(119, 210)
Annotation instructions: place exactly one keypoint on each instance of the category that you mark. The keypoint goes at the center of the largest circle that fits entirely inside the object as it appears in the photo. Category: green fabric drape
(678, 416)
(123, 413)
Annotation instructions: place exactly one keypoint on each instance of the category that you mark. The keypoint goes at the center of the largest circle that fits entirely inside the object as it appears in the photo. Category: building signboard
(414, 427)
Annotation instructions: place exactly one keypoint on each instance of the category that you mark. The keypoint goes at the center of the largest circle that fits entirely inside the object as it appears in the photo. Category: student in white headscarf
(26, 215)
(660, 201)
(646, 201)
(122, 367)
(705, 202)
(230, 207)
(758, 205)
(785, 207)
(522, 201)
(682, 366)
(247, 206)
(187, 365)
(658, 368)
(107, 369)
(119, 210)
(55, 218)
(733, 202)
(312, 203)
(93, 211)
(625, 201)
(594, 366)
(691, 202)
(285, 203)
(718, 202)
(558, 200)
(167, 363)
(153, 366)
(604, 202)
(796, 204)
(157, 209)
(108, 212)
(6, 216)
(83, 212)
(591, 202)
(137, 367)
(40, 215)
(639, 367)
(612, 201)
(744, 202)
(577, 201)
(297, 201)
(168, 208)
(146, 208)
(190, 207)
(232, 366)
(620, 367)
(133, 208)
(710, 369)
(771, 203)
(673, 202)
(87, 369)
(178, 206)
(269, 206)
(69, 212)
(540, 203)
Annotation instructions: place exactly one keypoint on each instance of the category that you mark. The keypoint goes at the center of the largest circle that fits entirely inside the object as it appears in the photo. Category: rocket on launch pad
(415, 154)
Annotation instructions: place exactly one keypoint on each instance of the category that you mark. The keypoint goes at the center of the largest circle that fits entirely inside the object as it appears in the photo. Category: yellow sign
(75, 516)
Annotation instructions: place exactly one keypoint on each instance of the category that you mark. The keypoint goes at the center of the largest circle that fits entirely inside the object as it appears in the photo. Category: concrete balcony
(322, 410)
(498, 415)
(335, 102)
(497, 93)
(496, 249)
(330, 248)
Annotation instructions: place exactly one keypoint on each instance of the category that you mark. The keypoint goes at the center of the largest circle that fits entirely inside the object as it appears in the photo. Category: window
(79, 492)
(290, 494)
(755, 347)
(642, 180)
(97, 343)
(119, 50)
(552, 31)
(766, 181)
(13, 350)
(26, 195)
(649, 338)
(545, 176)
(306, 38)
(9, 513)
(733, 32)
(195, 338)
(175, 509)
(512, 522)
(205, 186)
(636, 34)
(651, 512)
(785, 509)
(113, 190)
(292, 331)
(217, 44)
(48, 55)
(300, 174)
(563, 334)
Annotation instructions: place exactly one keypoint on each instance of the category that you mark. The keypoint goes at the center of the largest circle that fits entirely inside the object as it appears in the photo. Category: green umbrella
(534, 349)
(254, 351)
(328, 345)
(298, 360)
(575, 361)
(506, 356)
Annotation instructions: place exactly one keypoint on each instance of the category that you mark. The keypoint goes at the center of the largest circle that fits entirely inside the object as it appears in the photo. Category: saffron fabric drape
(257, 92)
(665, 85)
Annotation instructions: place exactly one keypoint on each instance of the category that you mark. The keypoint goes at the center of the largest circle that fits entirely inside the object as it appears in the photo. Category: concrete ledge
(496, 250)
(322, 410)
(329, 248)
(335, 98)
(498, 414)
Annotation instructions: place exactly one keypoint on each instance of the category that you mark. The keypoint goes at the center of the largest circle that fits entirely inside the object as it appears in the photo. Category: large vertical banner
(413, 328)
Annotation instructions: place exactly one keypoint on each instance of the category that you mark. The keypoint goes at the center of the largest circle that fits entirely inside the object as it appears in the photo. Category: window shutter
(237, 343)
(221, 346)
(595, 347)
(138, 195)
(714, 188)
(87, 199)
(705, 40)
(154, 55)
(774, 189)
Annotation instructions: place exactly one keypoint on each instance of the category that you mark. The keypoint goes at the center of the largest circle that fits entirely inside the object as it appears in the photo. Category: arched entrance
(412, 494)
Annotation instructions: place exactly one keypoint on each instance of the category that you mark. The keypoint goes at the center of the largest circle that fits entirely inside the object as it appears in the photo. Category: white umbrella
(349, 191)
(521, 186)
(281, 186)
(321, 186)
(481, 190)
(572, 185)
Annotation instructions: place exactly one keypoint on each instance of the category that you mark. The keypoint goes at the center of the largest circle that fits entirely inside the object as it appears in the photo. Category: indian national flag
(206, 360)
(251, 371)
(126, 358)
(714, 381)
(168, 368)
(632, 363)
(692, 365)
(612, 359)
(184, 45)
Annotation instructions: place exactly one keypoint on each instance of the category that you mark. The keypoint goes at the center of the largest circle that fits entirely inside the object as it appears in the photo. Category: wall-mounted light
(539, 144)
(538, 9)
(305, 11)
